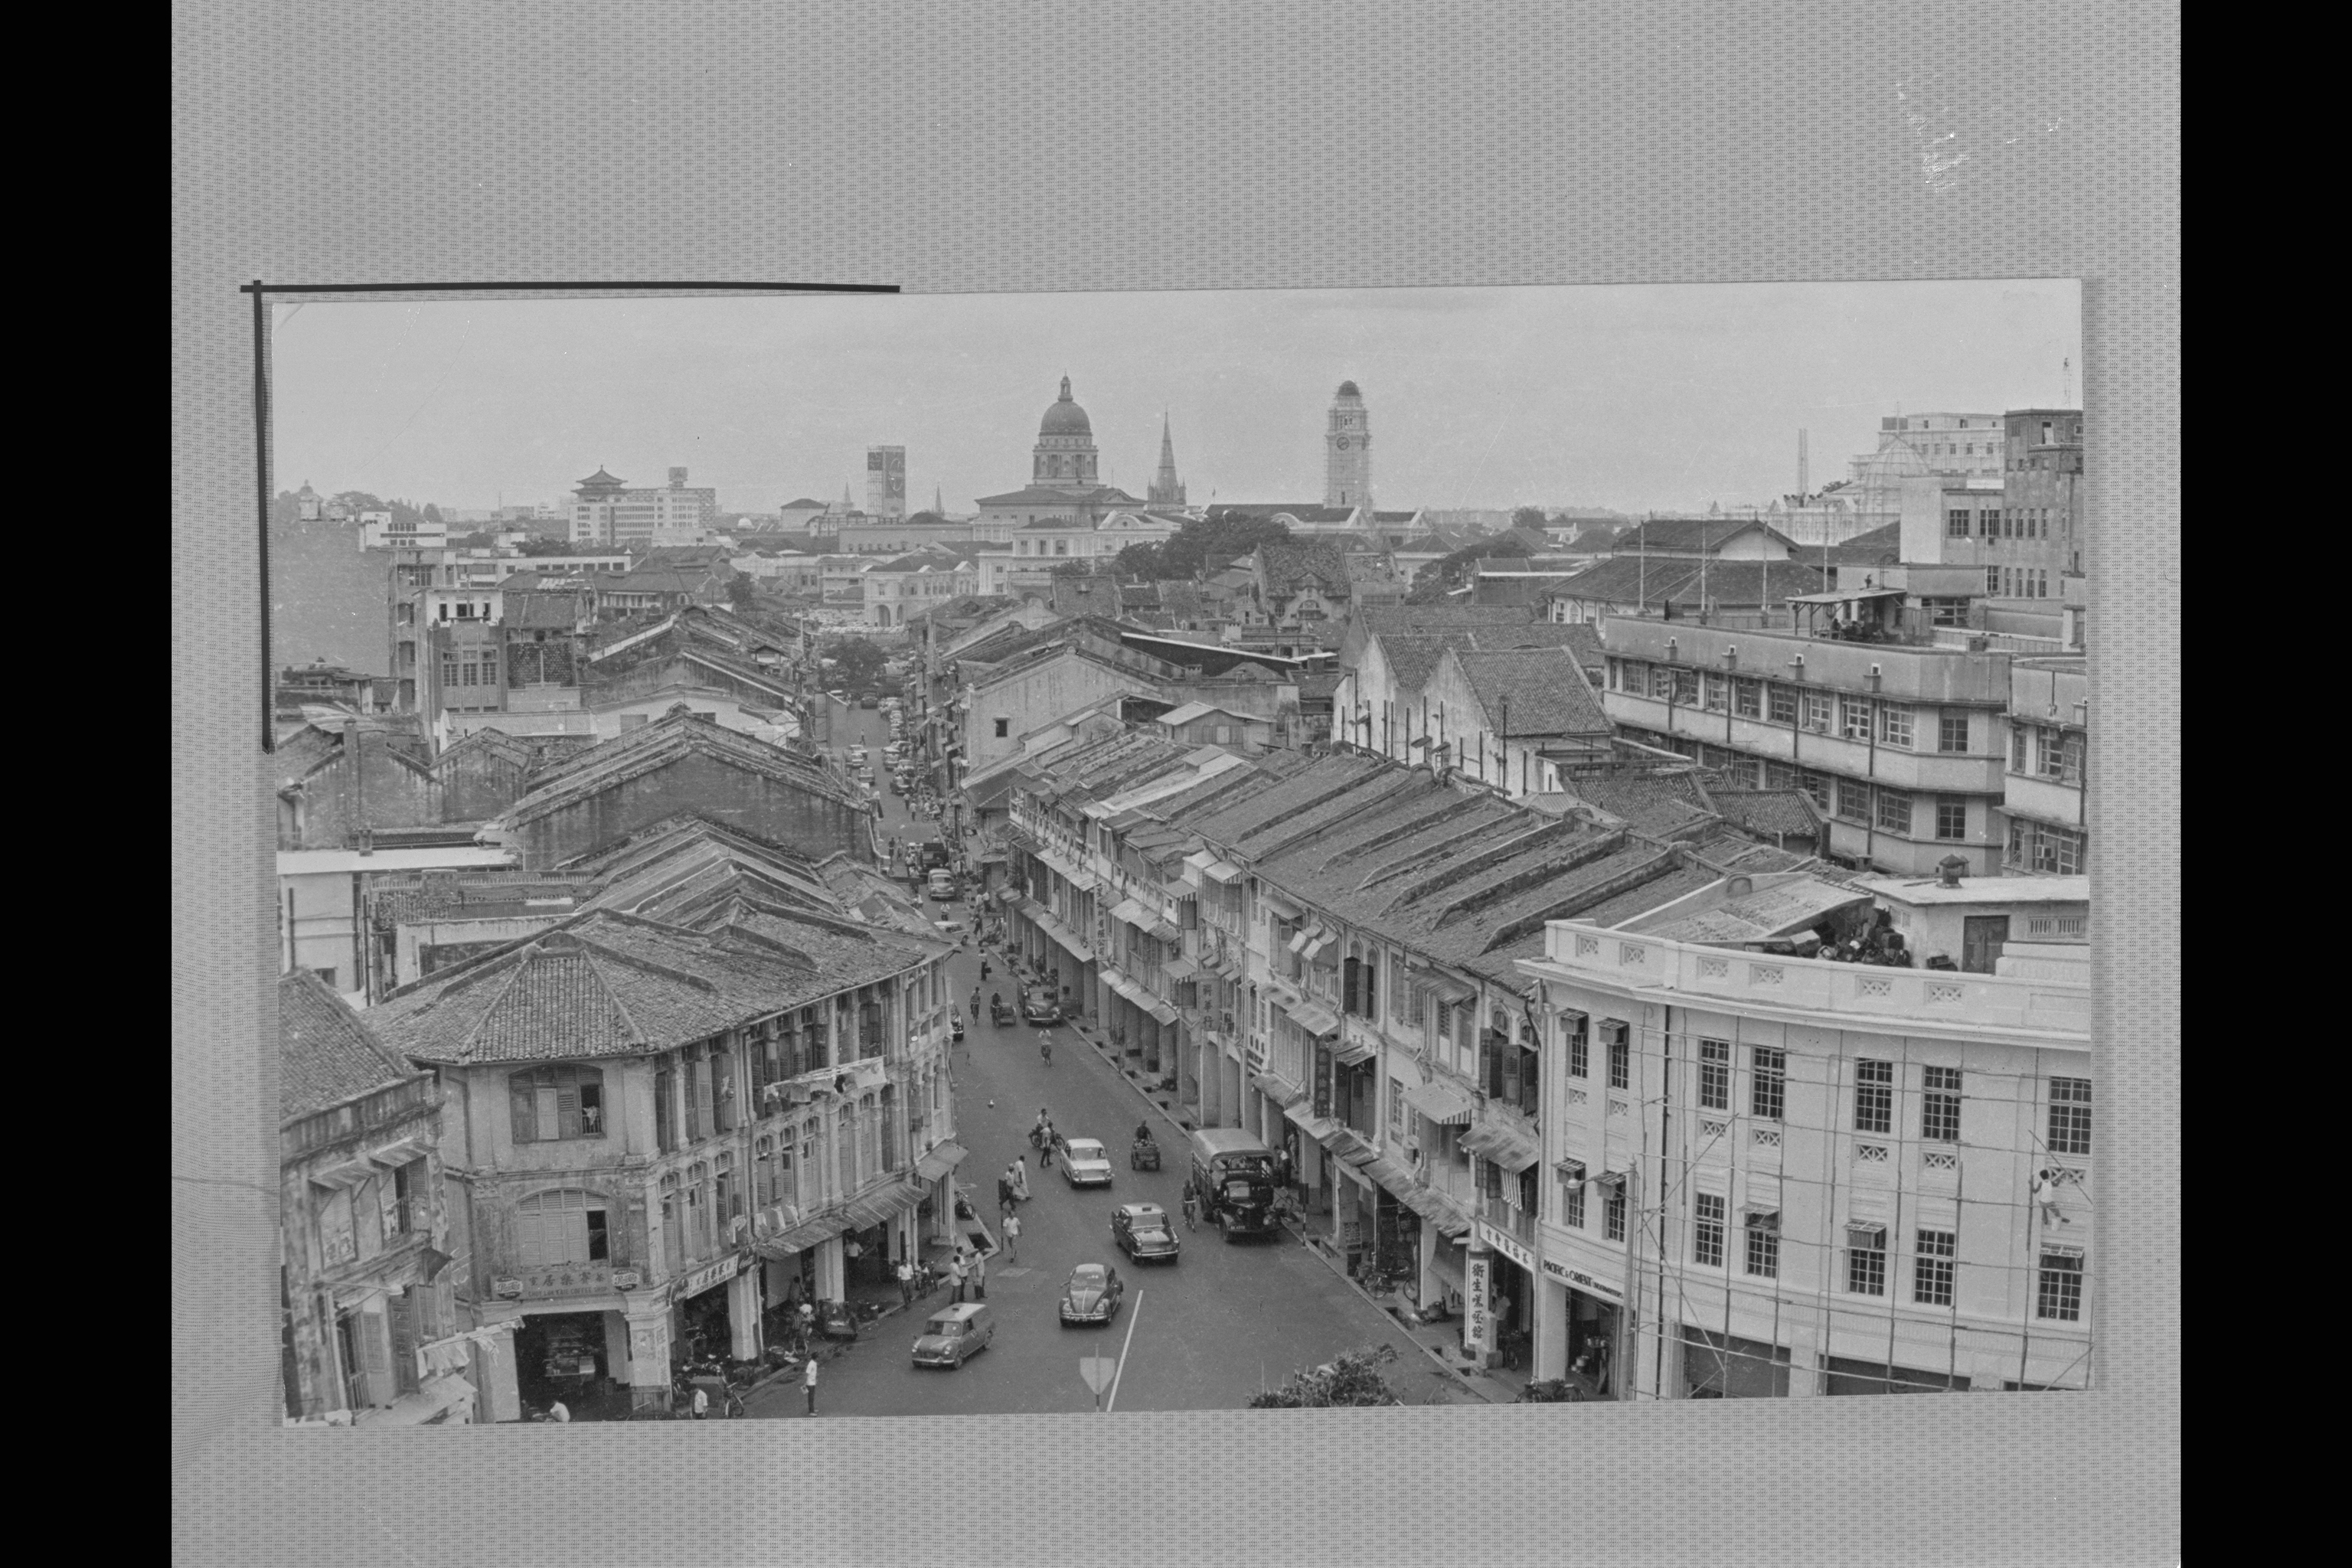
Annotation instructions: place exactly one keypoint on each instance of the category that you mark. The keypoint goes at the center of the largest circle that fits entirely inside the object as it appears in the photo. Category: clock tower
(1347, 451)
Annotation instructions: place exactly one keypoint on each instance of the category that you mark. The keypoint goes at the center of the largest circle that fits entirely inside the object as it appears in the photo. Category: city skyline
(1630, 398)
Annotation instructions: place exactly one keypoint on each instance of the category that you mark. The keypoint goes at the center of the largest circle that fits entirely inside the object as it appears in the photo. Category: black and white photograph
(845, 857)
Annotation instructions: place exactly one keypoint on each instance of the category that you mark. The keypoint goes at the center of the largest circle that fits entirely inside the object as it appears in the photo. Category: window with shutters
(1939, 1107)
(1580, 1051)
(1866, 1260)
(722, 1091)
(1621, 1065)
(1612, 1216)
(551, 1102)
(665, 1110)
(1931, 1269)
(1714, 1075)
(1874, 1096)
(558, 1228)
(1571, 1203)
(694, 1101)
(2070, 1116)
(1706, 1230)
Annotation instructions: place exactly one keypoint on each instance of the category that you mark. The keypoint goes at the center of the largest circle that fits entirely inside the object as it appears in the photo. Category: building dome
(1348, 389)
(1065, 418)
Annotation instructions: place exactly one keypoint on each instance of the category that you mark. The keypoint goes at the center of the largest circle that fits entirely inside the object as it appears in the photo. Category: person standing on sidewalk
(808, 1383)
(1012, 1237)
(905, 1283)
(955, 1274)
(1021, 1177)
(979, 1276)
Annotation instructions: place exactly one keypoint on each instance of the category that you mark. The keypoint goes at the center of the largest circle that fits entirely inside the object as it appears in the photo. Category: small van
(952, 1335)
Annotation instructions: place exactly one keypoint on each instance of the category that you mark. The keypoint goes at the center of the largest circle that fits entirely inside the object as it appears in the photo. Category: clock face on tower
(1341, 442)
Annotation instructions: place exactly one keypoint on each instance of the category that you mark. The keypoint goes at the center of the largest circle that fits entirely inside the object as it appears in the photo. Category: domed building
(1065, 456)
(1065, 497)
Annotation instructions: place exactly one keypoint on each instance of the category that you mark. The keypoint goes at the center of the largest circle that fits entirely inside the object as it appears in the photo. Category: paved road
(1204, 1330)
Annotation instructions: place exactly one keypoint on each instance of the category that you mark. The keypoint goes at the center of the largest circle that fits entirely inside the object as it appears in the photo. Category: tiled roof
(1689, 533)
(1639, 900)
(1414, 655)
(1878, 547)
(325, 1053)
(1293, 565)
(1542, 691)
(1383, 620)
(675, 735)
(1648, 801)
(1768, 811)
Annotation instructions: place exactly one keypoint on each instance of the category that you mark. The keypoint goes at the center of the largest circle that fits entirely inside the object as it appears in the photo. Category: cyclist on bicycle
(1192, 1206)
(1045, 1047)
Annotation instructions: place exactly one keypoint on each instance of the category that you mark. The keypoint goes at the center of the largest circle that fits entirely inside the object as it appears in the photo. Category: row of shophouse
(1584, 1085)
(618, 1111)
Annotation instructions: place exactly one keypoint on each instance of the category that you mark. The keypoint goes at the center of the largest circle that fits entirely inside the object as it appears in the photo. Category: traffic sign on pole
(1099, 1370)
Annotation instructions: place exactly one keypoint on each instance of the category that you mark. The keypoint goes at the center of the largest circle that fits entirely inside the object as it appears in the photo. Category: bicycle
(1192, 1213)
(1045, 1049)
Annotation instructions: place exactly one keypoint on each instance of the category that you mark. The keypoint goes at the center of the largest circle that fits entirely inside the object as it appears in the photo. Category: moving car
(942, 885)
(1084, 1162)
(1040, 1010)
(1092, 1294)
(1142, 1231)
(952, 1335)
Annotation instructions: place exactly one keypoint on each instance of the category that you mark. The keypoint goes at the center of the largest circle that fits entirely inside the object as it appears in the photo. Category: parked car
(1084, 1162)
(942, 885)
(1092, 1294)
(953, 1335)
(867, 701)
(1040, 1010)
(1142, 1231)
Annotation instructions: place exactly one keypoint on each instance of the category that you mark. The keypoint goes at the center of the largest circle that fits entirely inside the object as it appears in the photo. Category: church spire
(1166, 488)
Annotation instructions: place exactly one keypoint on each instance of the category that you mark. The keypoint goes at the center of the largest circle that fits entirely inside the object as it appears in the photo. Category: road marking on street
(1136, 1311)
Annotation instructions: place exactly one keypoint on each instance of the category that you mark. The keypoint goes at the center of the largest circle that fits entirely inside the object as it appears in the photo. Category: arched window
(551, 1102)
(562, 1226)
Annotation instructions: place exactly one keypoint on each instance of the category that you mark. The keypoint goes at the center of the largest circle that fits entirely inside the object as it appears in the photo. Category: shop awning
(1222, 871)
(1062, 936)
(1179, 968)
(1279, 904)
(1441, 1102)
(1301, 1114)
(787, 1245)
(1445, 987)
(1200, 860)
(1163, 931)
(1393, 1175)
(1132, 911)
(892, 1200)
(939, 1160)
(1323, 937)
(1505, 1146)
(1312, 1017)
(1281, 1090)
(1352, 1053)
(393, 1155)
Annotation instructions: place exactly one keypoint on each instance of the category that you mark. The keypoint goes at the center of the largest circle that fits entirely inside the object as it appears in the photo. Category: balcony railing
(1510, 1220)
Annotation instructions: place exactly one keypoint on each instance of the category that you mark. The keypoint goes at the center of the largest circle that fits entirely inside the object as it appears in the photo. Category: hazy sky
(1632, 398)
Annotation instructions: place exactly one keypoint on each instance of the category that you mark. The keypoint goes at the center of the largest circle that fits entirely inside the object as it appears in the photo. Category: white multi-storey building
(1767, 1175)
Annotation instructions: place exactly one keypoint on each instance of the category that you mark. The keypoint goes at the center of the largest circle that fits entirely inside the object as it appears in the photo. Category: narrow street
(1207, 1328)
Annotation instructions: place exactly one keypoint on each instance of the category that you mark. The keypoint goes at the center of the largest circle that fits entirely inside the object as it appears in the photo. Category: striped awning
(1222, 871)
(1505, 1146)
(787, 1245)
(1441, 1102)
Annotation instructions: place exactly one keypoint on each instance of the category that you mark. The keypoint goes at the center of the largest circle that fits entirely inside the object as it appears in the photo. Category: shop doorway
(705, 1331)
(1591, 1343)
(559, 1356)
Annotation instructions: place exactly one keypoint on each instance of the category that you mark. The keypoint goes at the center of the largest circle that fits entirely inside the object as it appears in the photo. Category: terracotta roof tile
(327, 1053)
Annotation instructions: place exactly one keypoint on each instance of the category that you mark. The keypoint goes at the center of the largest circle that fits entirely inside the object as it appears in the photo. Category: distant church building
(1347, 451)
(1167, 489)
(1064, 484)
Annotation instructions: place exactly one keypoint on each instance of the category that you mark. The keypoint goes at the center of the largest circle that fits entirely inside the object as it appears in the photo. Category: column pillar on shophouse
(743, 1315)
(649, 1350)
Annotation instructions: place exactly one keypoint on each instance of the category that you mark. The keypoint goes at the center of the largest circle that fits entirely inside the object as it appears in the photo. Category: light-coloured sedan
(1084, 1162)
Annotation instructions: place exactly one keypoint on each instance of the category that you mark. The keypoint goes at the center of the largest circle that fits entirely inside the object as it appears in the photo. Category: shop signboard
(710, 1274)
(1477, 1286)
(1490, 1237)
(1581, 1279)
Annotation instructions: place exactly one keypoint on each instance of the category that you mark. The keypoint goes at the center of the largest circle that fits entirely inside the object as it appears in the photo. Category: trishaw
(999, 1013)
(1143, 1155)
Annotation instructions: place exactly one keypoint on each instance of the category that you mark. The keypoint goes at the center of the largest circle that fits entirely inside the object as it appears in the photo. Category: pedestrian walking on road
(1012, 1237)
(807, 1325)
(808, 1383)
(1045, 1155)
(1004, 1198)
(1021, 1178)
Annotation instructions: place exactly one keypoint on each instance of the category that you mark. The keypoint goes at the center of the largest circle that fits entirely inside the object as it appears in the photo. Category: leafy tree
(1430, 582)
(1202, 545)
(859, 660)
(545, 545)
(432, 513)
(1080, 568)
(741, 592)
(1352, 1379)
(1529, 517)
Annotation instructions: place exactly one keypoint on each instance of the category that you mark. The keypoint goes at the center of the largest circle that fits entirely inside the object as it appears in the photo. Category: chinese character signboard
(1477, 1286)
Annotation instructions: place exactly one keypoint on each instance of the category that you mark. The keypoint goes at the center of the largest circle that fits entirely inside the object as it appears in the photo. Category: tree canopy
(741, 591)
(859, 660)
(1430, 582)
(1202, 545)
(1352, 1379)
(1530, 517)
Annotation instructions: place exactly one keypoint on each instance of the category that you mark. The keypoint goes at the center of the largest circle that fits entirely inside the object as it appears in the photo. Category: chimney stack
(1949, 868)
